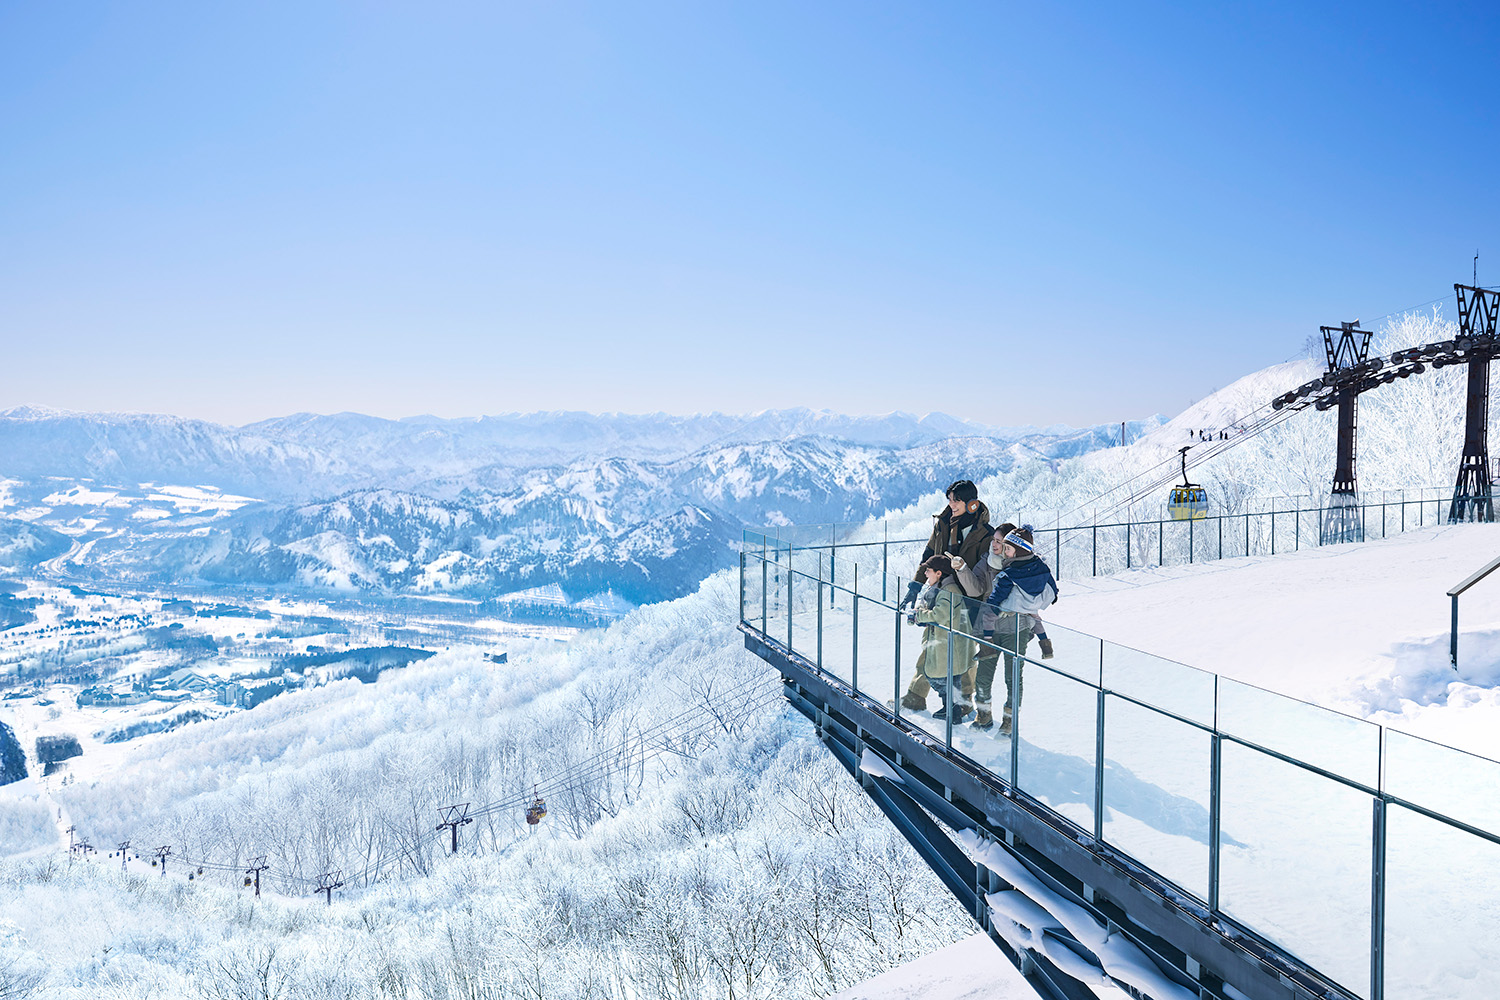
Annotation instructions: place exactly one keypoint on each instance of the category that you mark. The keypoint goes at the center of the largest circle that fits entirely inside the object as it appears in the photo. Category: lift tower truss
(1478, 309)
(1348, 348)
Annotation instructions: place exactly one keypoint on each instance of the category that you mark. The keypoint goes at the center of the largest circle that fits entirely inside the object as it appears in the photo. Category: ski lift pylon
(1187, 501)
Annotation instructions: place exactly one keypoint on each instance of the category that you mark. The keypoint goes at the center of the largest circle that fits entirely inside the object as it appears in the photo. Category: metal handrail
(1213, 534)
(1457, 591)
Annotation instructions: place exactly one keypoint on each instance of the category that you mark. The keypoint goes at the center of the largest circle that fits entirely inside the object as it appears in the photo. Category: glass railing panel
(750, 606)
(1069, 552)
(1157, 776)
(1442, 924)
(879, 664)
(1295, 860)
(752, 538)
(914, 687)
(775, 579)
(1110, 549)
(1073, 653)
(1460, 785)
(1340, 744)
(802, 602)
(1056, 721)
(1165, 684)
(933, 650)
(990, 748)
(836, 646)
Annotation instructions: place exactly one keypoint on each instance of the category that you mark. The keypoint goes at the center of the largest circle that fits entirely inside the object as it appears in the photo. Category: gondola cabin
(536, 810)
(1187, 501)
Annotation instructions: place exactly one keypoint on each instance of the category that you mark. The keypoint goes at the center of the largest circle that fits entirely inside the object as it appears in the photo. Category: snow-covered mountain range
(641, 506)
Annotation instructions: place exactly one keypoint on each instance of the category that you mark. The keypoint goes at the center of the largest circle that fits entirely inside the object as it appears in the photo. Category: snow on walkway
(1362, 628)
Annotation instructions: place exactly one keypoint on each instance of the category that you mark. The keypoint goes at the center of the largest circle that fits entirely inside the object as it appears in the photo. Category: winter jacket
(967, 536)
(949, 609)
(977, 582)
(1025, 587)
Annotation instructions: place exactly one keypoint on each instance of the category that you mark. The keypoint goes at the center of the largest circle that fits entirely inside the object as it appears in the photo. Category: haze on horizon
(1008, 214)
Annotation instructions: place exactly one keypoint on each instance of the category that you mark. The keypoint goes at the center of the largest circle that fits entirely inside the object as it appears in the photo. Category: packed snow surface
(1362, 628)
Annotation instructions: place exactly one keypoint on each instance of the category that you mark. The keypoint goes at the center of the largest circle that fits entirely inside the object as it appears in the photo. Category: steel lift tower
(1347, 347)
(1478, 308)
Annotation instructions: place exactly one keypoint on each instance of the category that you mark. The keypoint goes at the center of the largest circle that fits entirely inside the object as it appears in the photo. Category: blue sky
(1016, 213)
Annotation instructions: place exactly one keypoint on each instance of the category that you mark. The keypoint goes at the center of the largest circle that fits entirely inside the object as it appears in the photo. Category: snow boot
(1046, 645)
(960, 712)
(984, 721)
(1005, 724)
(913, 702)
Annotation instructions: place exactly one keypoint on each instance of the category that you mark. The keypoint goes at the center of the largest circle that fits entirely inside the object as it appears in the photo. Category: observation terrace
(1159, 827)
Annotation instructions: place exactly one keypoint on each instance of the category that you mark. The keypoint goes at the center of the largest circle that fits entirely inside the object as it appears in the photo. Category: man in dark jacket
(960, 529)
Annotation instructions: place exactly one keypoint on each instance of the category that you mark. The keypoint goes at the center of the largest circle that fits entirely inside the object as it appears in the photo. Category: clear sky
(1012, 212)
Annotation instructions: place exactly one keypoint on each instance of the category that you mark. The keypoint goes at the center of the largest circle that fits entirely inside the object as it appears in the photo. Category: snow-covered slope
(697, 837)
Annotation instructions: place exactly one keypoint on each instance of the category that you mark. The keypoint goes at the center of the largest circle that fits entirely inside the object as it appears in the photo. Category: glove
(912, 589)
(927, 599)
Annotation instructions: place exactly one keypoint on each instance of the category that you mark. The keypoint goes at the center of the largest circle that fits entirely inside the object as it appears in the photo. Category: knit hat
(1021, 539)
(940, 563)
(962, 490)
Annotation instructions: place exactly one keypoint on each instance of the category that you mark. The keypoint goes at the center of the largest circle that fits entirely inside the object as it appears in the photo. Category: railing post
(832, 572)
(896, 668)
(854, 651)
(1057, 552)
(885, 564)
(1095, 547)
(1014, 667)
(1220, 519)
(764, 592)
(1127, 539)
(1161, 534)
(1247, 533)
(1377, 901)
(789, 613)
(951, 700)
(742, 580)
(1215, 795)
(1273, 529)
(1191, 522)
(819, 603)
(1098, 765)
(1453, 636)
